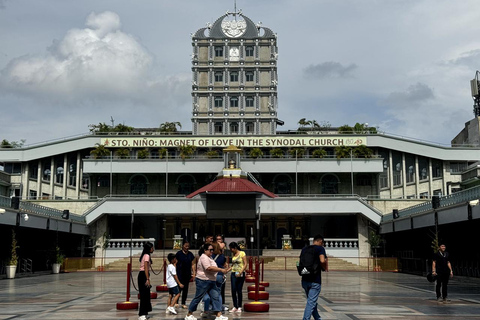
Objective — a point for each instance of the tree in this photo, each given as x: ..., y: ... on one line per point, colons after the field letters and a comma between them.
x: 122, y: 153
x: 168, y: 127
x: 363, y: 151
x: 186, y: 151
x: 12, y: 144
x: 319, y: 153
x: 211, y: 154
x: 102, y: 127
x: 276, y: 153
x: 122, y: 128
x: 255, y: 153
x: 162, y: 152
x: 296, y: 152
x: 342, y: 152
x: 345, y: 129
x: 100, y: 151
x: 143, y: 154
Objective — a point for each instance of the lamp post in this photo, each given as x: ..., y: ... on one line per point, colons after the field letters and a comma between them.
x: 351, y: 167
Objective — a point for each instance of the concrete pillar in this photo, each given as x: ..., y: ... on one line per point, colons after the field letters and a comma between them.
x: 65, y: 174
x: 101, y: 227
x: 390, y: 171
x: 25, y: 193
x: 52, y: 178
x: 78, y: 178
x: 363, y: 246
x: 404, y: 177
x: 39, y: 180
x: 430, y: 177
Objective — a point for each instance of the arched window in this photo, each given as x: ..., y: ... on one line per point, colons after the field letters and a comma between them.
x: 329, y: 184
x: 186, y: 184
x: 138, y: 184
x: 282, y: 184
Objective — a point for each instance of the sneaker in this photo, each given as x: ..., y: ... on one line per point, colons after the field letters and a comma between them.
x: 184, y: 306
x: 221, y: 318
x: 445, y: 300
x: 225, y: 308
x: 439, y: 299
x: 142, y: 318
x: 190, y: 317
x: 172, y: 310
x: 233, y: 310
x: 239, y: 310
x: 167, y: 311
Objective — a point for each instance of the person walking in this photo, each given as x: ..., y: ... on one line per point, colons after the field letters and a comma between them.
x: 312, y: 283
x: 221, y: 262
x: 143, y: 279
x: 185, y: 270
x: 442, y: 268
x: 173, y: 284
x: 239, y: 264
x: 205, y: 282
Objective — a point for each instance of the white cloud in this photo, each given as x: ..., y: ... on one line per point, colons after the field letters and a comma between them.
x: 99, y: 62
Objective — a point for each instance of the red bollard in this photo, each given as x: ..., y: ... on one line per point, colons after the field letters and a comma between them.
x: 127, y: 305
x: 264, y: 283
x: 163, y: 287
x: 256, y: 306
x: 250, y: 275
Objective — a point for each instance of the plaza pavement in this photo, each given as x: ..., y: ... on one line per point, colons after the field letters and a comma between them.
x: 345, y: 295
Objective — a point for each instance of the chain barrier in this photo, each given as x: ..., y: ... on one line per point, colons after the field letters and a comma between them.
x: 153, y: 271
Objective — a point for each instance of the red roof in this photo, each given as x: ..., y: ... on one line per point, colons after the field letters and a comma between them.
x: 233, y: 185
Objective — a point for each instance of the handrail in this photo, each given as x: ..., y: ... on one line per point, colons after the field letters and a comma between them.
x: 46, y: 211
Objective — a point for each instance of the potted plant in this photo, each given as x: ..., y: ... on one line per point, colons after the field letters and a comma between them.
x: 59, y: 258
x: 255, y: 153
x: 11, y: 267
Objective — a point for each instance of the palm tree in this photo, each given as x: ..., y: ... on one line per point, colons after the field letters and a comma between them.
x: 345, y: 129
x: 186, y: 151
x: 255, y: 153
x: 100, y: 151
x: 276, y: 153
x: 319, y: 153
x: 168, y: 127
x: 342, y: 152
x: 296, y: 152
x: 363, y: 151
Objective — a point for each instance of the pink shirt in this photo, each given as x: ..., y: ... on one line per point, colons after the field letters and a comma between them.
x: 202, y: 265
x: 145, y: 257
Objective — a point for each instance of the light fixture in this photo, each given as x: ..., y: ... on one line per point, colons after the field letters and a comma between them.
x: 473, y: 203
x: 25, y: 217
x: 2, y: 211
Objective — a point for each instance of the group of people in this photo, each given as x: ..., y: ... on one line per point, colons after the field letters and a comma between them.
x: 210, y: 271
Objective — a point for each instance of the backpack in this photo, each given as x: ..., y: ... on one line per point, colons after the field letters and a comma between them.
x: 309, y: 263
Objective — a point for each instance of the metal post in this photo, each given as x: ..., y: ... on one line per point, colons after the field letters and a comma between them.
x: 351, y: 167
x: 131, y: 237
x: 166, y: 175
x: 296, y: 173
x: 111, y: 174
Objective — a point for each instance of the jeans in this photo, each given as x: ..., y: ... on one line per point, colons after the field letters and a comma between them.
x: 207, y: 299
x: 442, y: 282
x: 237, y: 287
x: 206, y: 287
x: 312, y: 290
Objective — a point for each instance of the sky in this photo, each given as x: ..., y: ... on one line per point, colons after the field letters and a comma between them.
x: 403, y: 66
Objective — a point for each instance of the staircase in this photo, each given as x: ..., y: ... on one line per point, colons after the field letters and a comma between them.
x: 290, y: 263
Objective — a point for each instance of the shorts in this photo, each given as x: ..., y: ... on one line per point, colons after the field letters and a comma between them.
x: 173, y: 291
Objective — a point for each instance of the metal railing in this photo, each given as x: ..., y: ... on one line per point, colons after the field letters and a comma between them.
x: 26, y: 266
x: 30, y: 207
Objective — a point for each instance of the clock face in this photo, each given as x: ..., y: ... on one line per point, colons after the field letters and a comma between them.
x: 234, y: 54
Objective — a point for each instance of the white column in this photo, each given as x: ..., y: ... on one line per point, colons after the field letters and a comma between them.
x: 65, y: 174
x: 404, y: 177
x: 417, y: 178
x: 78, y: 178
x: 363, y: 246
x: 390, y: 172
x: 39, y: 179
x: 430, y: 177
x: 52, y: 178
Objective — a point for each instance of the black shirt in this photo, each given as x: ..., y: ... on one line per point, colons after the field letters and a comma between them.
x: 441, y: 262
x: 184, y: 262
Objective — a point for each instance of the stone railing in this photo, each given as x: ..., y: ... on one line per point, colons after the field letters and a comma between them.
x: 120, y: 248
x: 341, y: 243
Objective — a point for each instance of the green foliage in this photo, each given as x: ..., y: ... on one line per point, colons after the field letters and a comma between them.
x: 143, y: 154
x: 122, y: 153
x: 296, y: 152
x: 162, y: 152
x: 255, y: 153
x: 168, y: 127
x: 59, y: 257
x: 342, y: 152
x: 346, y: 129
x: 319, y: 153
x: 363, y: 151
x: 374, y: 240
x: 277, y: 153
x: 100, y: 151
x: 102, y: 127
x: 13, y: 253
x: 186, y: 152
x: 12, y: 144
x: 211, y: 154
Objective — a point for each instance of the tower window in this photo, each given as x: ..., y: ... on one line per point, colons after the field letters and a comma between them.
x: 218, y: 127
x: 249, y: 76
x: 234, y: 102
x: 234, y: 76
x: 249, y: 51
x: 218, y: 76
x: 218, y: 51
x: 218, y: 102
x: 249, y: 127
x: 249, y: 101
x: 234, y: 127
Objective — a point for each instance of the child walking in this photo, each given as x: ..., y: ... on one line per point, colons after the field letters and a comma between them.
x: 172, y: 283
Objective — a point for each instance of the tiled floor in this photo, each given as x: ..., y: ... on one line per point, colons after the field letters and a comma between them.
x: 345, y: 295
